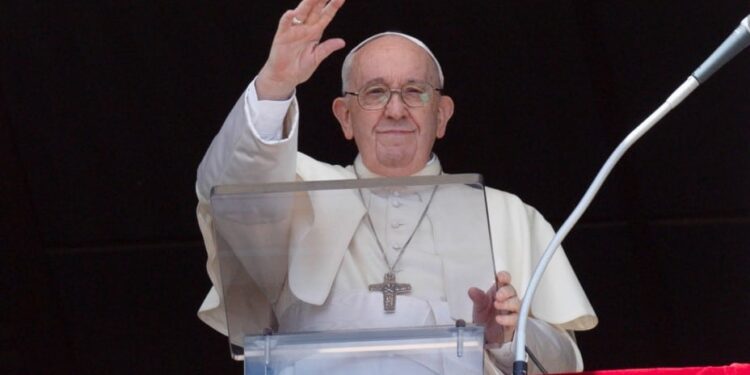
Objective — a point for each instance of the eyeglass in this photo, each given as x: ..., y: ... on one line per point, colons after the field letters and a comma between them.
x: 413, y: 94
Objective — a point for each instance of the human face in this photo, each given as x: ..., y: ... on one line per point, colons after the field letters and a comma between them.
x: 396, y: 140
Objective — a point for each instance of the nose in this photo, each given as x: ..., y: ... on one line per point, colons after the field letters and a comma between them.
x: 395, y: 108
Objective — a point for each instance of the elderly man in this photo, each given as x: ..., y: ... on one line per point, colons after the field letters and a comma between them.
x: 393, y: 109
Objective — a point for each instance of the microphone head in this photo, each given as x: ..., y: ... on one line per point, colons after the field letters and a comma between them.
x: 737, y: 41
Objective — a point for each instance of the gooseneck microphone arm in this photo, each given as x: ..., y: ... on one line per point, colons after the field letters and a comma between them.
x: 735, y: 43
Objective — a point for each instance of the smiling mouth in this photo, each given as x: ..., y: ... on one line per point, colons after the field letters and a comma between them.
x: 395, y: 131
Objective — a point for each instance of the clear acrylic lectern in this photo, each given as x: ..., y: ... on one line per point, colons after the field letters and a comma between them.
x: 366, y: 276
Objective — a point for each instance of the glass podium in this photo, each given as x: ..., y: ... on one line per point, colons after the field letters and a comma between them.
x: 366, y: 276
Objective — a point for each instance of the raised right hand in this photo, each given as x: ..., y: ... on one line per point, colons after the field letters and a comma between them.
x: 296, y: 51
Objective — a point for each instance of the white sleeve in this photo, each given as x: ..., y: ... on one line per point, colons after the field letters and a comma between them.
x: 256, y: 144
x: 555, y: 349
x: 267, y: 116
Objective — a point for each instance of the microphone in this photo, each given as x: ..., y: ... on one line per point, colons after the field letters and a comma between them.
x: 735, y: 43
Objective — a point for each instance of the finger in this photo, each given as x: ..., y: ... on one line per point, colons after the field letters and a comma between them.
x: 479, y: 297
x: 286, y: 21
x: 508, y: 320
x: 327, y: 14
x: 305, y: 7
x: 505, y: 292
x: 326, y: 48
x: 314, y: 15
x: 511, y: 305
x: 503, y: 278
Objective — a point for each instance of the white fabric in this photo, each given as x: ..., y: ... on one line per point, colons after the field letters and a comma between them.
x: 358, y: 310
x: 240, y: 153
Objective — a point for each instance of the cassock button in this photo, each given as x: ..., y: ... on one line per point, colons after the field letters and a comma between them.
x: 396, y: 247
x: 396, y: 225
x: 396, y: 203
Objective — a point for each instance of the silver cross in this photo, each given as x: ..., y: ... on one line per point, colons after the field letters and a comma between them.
x: 390, y: 289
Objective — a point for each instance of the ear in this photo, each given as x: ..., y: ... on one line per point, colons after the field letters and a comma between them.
x: 340, y: 109
x: 445, y: 112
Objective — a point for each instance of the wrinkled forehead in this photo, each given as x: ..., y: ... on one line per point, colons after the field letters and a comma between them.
x: 383, y: 38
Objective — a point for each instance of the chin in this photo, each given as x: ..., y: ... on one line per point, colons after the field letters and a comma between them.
x: 396, y: 161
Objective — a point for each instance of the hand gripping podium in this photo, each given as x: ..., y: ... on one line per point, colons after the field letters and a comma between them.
x: 366, y: 276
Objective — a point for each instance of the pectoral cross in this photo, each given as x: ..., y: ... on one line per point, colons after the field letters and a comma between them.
x: 390, y: 289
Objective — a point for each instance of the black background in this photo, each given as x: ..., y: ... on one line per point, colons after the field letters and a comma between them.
x: 107, y: 107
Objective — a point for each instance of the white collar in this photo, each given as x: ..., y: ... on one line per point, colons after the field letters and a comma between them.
x: 432, y: 168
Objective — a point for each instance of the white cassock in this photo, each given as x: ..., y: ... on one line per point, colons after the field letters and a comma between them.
x: 322, y: 289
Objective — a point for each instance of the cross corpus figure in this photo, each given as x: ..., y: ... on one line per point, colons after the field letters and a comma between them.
x: 390, y: 289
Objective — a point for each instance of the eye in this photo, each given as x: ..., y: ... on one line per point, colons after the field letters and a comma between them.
x: 375, y: 91
x: 415, y: 90
x: 416, y: 94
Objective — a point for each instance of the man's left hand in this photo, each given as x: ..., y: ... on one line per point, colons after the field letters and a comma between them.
x: 497, y: 309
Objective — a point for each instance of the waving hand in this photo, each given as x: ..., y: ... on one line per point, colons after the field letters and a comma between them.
x: 296, y: 51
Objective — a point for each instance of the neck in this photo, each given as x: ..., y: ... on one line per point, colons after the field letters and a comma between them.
x: 395, y: 171
x: 430, y: 168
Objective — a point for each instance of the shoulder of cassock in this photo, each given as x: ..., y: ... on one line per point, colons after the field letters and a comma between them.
x: 255, y: 308
x: 520, y: 235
